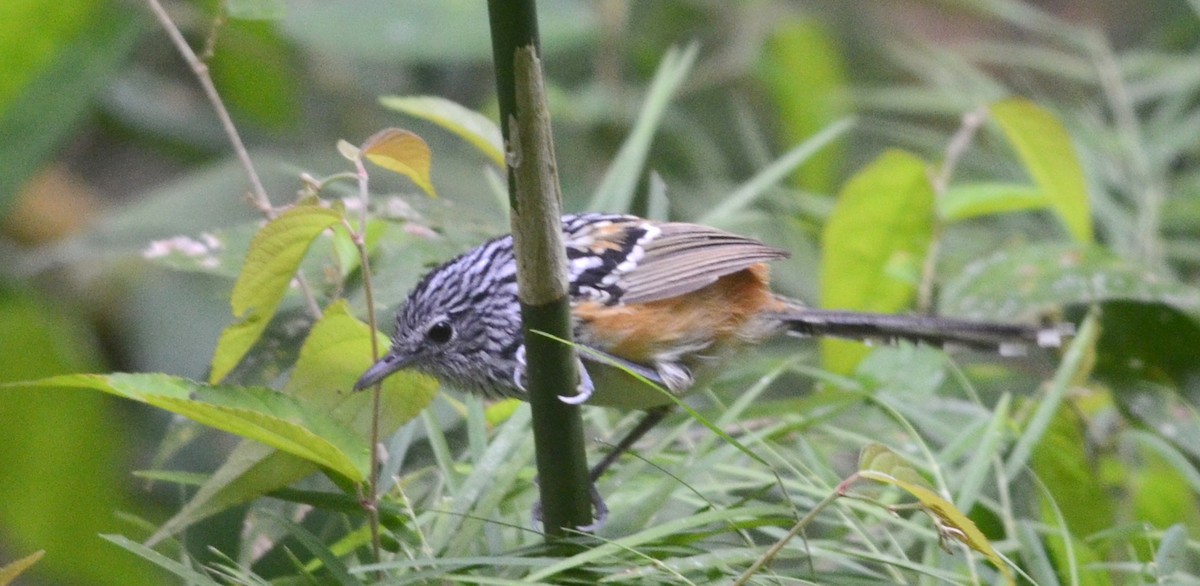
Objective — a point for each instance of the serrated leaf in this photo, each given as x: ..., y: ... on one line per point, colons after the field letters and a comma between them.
x: 471, y: 126
x: 885, y: 210
x: 256, y: 413
x: 271, y: 263
x: 403, y: 152
x: 1041, y: 277
x: 335, y: 353
x: 12, y: 570
x: 876, y: 459
x: 972, y: 200
x: 1047, y: 154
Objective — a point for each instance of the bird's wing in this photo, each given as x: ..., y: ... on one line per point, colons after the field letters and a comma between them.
x: 650, y: 261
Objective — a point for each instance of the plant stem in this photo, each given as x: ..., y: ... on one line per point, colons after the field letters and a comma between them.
x: 791, y: 534
x: 971, y: 121
x: 535, y: 200
x: 258, y: 193
x: 371, y: 499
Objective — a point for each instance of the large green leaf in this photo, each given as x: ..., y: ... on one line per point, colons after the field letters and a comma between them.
x: 259, y: 80
x: 58, y: 56
x: 256, y: 413
x: 1046, y: 151
x: 874, y: 244
x: 1038, y: 278
x: 806, y: 81
x: 271, y: 264
x: 64, y: 456
x: 336, y: 352
x: 1071, y: 476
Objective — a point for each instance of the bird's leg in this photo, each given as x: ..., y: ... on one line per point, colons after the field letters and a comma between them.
x: 584, y: 390
x: 599, y: 510
x: 653, y: 417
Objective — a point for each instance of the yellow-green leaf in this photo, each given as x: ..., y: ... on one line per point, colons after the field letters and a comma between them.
x: 11, y: 571
x: 1045, y: 149
x: 469, y: 125
x: 402, y: 152
x: 271, y: 263
x: 335, y: 353
x: 972, y: 200
x: 883, y: 221
x: 876, y: 460
x: 256, y: 413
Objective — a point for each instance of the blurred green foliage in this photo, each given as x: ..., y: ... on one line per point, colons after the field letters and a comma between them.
x: 681, y: 108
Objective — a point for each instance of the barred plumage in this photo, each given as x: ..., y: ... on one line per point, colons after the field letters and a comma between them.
x: 667, y: 299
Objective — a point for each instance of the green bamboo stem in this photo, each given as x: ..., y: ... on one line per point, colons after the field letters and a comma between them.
x: 536, y: 202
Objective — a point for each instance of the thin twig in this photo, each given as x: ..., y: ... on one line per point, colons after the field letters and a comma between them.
x: 200, y: 69
x: 371, y: 503
x: 940, y: 182
x: 258, y: 194
x: 791, y: 534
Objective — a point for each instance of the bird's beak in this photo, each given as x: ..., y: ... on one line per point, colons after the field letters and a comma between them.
x: 382, y: 369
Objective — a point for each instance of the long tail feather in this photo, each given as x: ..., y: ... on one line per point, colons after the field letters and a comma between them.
x: 1005, y: 338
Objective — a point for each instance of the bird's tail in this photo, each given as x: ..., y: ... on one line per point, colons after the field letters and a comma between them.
x: 1007, y: 339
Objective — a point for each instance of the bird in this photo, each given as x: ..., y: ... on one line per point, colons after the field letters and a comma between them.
x: 668, y: 302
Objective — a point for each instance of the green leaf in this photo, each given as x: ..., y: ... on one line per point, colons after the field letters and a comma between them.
x: 335, y: 353
x: 259, y: 78
x: 616, y: 190
x: 805, y: 77
x: 1071, y: 476
x: 13, y: 570
x: 250, y: 471
x: 1163, y: 485
x: 61, y: 451
x: 255, y: 413
x: 58, y: 57
x: 880, y: 464
x: 184, y: 571
x: 1042, y: 277
x: 884, y: 215
x: 1046, y: 151
x: 274, y: 256
x: 338, y: 572
x: 438, y: 32
x: 471, y: 126
x: 1076, y: 360
x: 972, y: 200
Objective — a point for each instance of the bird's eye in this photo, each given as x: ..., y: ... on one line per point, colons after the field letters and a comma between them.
x: 440, y: 332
